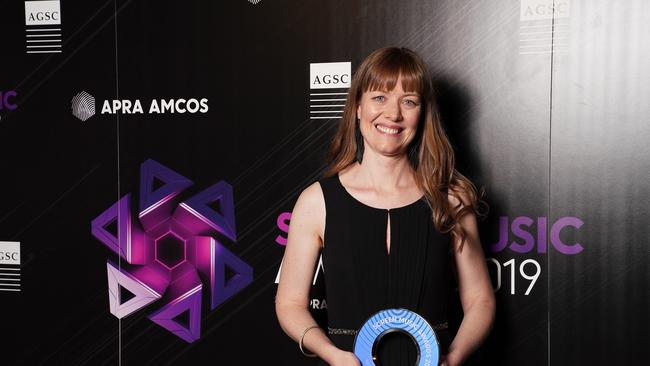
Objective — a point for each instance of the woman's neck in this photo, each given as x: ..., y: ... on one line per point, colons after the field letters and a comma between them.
x: 384, y: 173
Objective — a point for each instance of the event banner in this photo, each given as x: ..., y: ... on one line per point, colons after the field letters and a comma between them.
x: 153, y: 151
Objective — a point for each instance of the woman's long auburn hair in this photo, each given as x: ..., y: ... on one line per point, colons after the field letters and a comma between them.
x: 430, y: 154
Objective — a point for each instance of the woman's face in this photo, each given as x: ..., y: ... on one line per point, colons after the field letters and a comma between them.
x: 389, y: 119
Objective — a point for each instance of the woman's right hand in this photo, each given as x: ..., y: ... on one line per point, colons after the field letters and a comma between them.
x: 345, y: 358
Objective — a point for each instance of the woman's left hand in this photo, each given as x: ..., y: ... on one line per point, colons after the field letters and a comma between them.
x: 448, y: 360
x: 443, y: 361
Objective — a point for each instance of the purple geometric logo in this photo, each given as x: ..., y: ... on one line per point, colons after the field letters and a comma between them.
x: 171, y: 250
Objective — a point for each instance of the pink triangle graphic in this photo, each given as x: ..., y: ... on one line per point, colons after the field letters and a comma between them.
x: 157, y: 204
x: 129, y: 242
x: 143, y: 294
x: 189, y: 301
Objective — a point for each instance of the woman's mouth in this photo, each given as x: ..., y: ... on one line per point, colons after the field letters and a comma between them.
x: 388, y: 130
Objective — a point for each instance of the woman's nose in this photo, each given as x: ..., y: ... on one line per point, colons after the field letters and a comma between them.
x: 393, y: 111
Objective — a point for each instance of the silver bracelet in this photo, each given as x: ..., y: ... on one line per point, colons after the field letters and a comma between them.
x: 302, y: 337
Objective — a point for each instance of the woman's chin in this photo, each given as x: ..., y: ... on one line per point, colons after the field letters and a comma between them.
x: 390, y: 151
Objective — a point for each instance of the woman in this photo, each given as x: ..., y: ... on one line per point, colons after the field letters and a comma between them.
x: 392, y: 217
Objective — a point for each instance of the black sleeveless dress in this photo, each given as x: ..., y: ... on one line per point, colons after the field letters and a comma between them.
x: 362, y: 278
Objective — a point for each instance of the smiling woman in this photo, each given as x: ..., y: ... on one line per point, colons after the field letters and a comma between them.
x: 390, y: 119
x: 392, y: 216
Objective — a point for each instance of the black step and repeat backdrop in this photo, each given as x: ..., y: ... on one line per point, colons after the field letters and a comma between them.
x: 152, y: 152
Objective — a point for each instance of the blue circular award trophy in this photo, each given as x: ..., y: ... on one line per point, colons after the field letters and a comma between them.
x: 396, y: 320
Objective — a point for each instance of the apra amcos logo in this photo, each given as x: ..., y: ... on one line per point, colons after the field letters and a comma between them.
x: 83, y: 106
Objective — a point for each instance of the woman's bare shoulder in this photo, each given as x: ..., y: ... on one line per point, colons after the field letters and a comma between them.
x: 310, y: 209
x: 312, y: 197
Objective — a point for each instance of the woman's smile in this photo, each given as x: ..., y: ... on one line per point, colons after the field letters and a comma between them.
x: 386, y: 130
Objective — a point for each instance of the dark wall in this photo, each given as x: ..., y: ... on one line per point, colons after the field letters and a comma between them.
x: 547, y: 111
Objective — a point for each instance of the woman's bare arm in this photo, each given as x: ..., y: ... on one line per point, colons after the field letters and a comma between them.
x: 301, y: 253
x: 476, y: 294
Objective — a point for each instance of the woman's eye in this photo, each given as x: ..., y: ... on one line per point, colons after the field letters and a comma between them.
x: 379, y: 98
x: 411, y: 103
